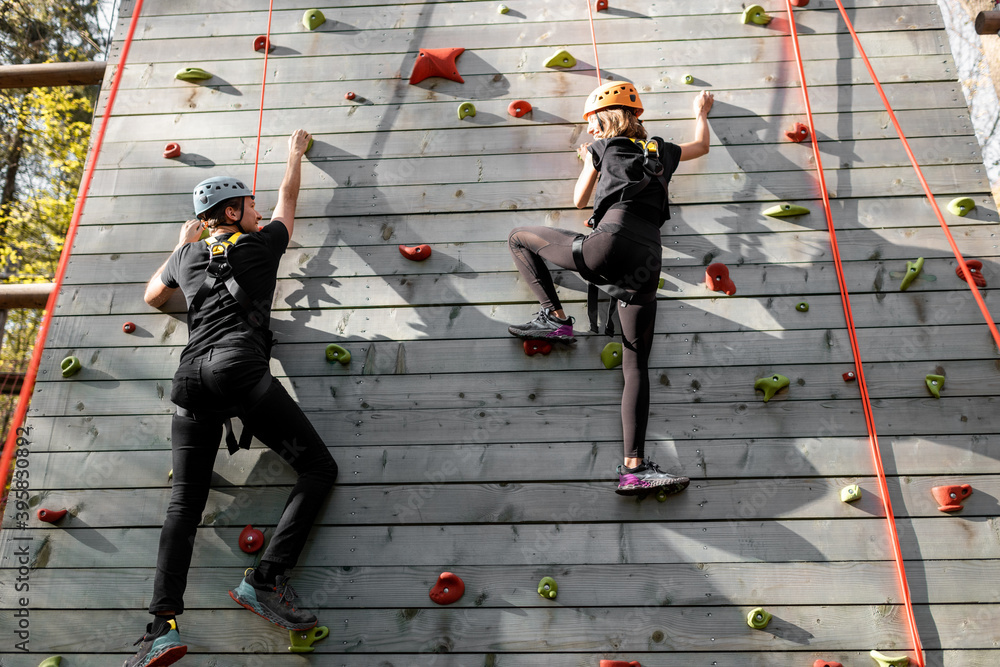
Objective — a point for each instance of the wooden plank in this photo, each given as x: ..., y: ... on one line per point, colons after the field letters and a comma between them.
x: 40, y: 75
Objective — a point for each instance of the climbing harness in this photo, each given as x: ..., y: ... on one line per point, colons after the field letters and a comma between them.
x: 855, y: 350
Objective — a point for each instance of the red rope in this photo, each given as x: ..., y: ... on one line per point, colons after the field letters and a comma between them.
x: 263, y: 84
x: 593, y: 37
x: 81, y: 199
x: 923, y: 182
x: 855, y: 350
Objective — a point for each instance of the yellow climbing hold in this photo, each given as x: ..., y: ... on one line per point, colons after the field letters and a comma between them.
x: 961, y: 206
x: 466, y: 109
x: 849, y: 494
x: 758, y: 618
x: 771, y: 385
x: 192, y: 74
x: 913, y: 270
x: 611, y: 355
x: 561, y: 59
x: 886, y: 661
x: 313, y: 18
x: 786, y: 210
x: 756, y: 14
x: 302, y: 640
x: 335, y: 352
x: 935, y: 383
x: 54, y: 661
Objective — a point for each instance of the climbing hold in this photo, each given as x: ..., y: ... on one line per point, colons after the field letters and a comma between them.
x: 533, y: 347
x: 548, y: 588
x: 950, y: 497
x: 449, y: 588
x: 349, y: 95
x: 611, y: 355
x: 688, y: 79
x: 756, y: 14
x: 251, y: 540
x: 818, y: 663
x: 802, y: 307
x: 798, y: 133
x: 518, y: 108
x: 758, y: 618
x: 436, y: 62
x: 260, y: 42
x: 417, y: 253
x: 303, y: 640
x: 171, y: 150
x: 849, y: 494
x: 619, y: 663
x: 717, y: 279
x: 335, y: 352
x: 561, y: 59
x: 70, y: 366
x: 50, y: 516
x: 54, y: 661
x: 976, y: 269
x: 849, y: 376
x: 661, y: 495
x: 192, y: 74
x: 170, y: 475
x: 466, y: 109
x: 886, y: 661
x: 309, y: 145
x: 771, y: 385
x: 128, y: 327
x: 913, y: 270
x: 803, y: 3
x: 962, y: 206
x: 602, y: 5
x: 313, y: 18
x: 935, y: 383
x: 663, y: 281
x: 503, y: 9
x: 786, y: 210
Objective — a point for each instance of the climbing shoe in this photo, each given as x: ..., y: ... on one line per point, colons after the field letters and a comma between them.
x: 274, y: 603
x: 647, y: 477
x: 159, y: 650
x: 545, y: 326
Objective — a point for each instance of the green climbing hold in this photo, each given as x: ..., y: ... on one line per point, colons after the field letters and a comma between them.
x: 913, y: 270
x: 70, y: 366
x: 935, y: 383
x: 548, y: 588
x: 54, y: 661
x: 192, y: 74
x: 886, y: 661
x: 309, y: 145
x: 170, y: 475
x: 802, y: 307
x: 303, y: 640
x: 466, y: 109
x: 611, y: 355
x: 561, y: 59
x: 335, y: 352
x: 688, y: 79
x: 786, y: 210
x: 663, y: 281
x: 313, y: 18
x: 661, y: 495
x: 961, y: 206
x: 849, y: 494
x: 503, y: 9
x: 756, y: 14
x: 758, y: 618
x: 771, y: 385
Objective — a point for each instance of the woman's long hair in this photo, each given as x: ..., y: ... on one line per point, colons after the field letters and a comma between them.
x: 620, y: 122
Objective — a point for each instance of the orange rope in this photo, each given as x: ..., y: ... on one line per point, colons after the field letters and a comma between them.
x: 593, y: 37
x: 855, y: 350
x: 923, y: 182
x: 263, y: 85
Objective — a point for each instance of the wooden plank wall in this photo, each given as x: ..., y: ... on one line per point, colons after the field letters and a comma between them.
x: 457, y: 451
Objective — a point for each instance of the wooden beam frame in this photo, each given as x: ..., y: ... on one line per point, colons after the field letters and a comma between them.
x: 52, y: 74
x: 988, y: 23
x: 28, y: 295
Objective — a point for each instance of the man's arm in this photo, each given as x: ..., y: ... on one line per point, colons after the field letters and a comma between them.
x: 699, y: 147
x: 288, y: 192
x: 157, y: 293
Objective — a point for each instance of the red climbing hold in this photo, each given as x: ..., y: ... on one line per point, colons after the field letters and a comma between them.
x: 50, y: 516
x: 436, y: 62
x: 349, y: 96
x: 717, y: 279
x: 849, y: 376
x: 260, y: 41
x: 819, y: 663
x: 533, y: 347
x: 417, y: 253
x: 619, y: 663
x: 976, y: 267
x: 950, y: 497
x: 251, y: 540
x: 518, y: 108
x: 128, y: 327
x: 173, y: 149
x: 602, y: 5
x: 803, y: 3
x: 448, y: 589
x: 798, y: 133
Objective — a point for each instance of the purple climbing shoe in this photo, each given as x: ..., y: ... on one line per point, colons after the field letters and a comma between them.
x: 646, y: 478
x: 545, y: 326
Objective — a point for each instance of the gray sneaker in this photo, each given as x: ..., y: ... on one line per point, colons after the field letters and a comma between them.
x: 647, y: 478
x: 273, y: 603
x: 545, y: 326
x: 158, y: 650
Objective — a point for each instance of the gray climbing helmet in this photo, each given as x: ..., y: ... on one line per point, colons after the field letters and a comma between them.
x: 213, y: 190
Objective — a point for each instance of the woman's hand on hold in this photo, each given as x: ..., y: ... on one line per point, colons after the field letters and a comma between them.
x: 191, y: 231
x: 582, y: 150
x: 298, y: 142
x: 703, y: 103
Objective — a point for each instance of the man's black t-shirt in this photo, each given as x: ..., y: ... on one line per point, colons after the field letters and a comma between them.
x: 619, y: 161
x: 222, y: 321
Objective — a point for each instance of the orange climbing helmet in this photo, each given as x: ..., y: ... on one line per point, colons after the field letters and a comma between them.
x: 614, y: 94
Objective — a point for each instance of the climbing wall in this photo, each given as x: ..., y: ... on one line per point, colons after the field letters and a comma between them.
x: 460, y: 453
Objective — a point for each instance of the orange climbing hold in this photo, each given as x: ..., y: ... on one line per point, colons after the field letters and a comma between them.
x: 619, y: 663
x: 261, y: 41
x: 950, y: 497
x: 717, y: 279
x: 798, y: 133
x: 518, y: 108
x: 251, y: 540
x: 820, y: 663
x: 436, y: 62
x: 976, y: 268
x: 171, y: 150
x: 349, y: 96
x: 50, y: 516
x: 533, y: 347
x: 449, y: 588
x: 417, y: 253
